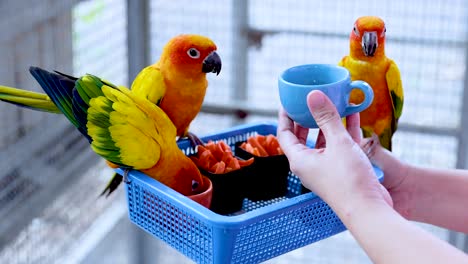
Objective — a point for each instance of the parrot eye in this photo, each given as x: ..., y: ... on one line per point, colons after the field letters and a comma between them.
x: 193, y: 53
x: 356, y: 31
x: 383, y: 32
x: 195, y: 185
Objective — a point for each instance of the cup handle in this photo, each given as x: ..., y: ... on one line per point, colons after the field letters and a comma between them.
x: 368, y: 97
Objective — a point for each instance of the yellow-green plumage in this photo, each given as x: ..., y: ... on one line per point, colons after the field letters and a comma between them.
x: 176, y: 83
x: 36, y: 101
x: 125, y: 129
x: 130, y: 128
x: 140, y: 136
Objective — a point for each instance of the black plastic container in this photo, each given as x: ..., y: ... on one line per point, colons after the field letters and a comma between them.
x: 229, y: 190
x: 269, y: 175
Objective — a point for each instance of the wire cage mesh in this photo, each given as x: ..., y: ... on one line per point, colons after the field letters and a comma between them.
x: 50, y: 179
x: 257, y: 40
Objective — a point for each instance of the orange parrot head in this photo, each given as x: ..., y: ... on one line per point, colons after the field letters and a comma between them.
x: 367, y: 39
x: 191, y: 54
x: 188, y: 179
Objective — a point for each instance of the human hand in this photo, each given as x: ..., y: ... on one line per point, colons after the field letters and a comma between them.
x: 337, y: 170
x: 395, y: 181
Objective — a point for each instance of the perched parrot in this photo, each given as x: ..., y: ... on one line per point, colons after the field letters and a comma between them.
x: 176, y: 83
x: 125, y: 129
x: 367, y: 61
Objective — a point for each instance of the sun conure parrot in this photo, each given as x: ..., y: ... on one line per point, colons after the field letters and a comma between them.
x: 176, y: 83
x: 367, y: 61
x: 125, y: 129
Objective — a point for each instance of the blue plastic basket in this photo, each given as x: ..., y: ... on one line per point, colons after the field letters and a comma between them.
x: 262, y: 230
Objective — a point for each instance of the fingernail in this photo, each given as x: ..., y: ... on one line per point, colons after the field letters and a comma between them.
x: 317, y: 99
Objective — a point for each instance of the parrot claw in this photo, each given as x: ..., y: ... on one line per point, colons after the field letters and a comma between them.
x: 194, y: 139
x: 369, y: 145
x: 125, y: 176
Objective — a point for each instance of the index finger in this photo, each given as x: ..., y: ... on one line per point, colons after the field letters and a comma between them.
x: 285, y: 133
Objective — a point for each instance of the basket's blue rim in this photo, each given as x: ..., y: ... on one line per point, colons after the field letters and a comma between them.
x: 224, y: 221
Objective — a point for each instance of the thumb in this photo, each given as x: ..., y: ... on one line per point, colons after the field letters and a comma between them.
x: 325, y: 114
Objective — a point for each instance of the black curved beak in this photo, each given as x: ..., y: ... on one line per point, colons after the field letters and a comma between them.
x: 212, y: 63
x: 369, y: 43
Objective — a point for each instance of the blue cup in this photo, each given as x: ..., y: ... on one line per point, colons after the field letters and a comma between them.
x: 297, y: 82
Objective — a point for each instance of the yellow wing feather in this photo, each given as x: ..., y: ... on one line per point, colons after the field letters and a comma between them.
x: 149, y: 84
x: 342, y: 62
x: 395, y: 88
x: 137, y: 132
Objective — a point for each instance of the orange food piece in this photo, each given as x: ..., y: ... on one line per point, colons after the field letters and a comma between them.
x: 260, y: 139
x: 225, y: 146
x: 256, y: 144
x: 218, y: 168
x: 262, y: 146
x: 244, y: 163
x: 233, y: 164
x: 218, y: 158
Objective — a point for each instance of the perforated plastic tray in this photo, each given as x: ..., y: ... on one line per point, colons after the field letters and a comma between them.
x: 260, y: 231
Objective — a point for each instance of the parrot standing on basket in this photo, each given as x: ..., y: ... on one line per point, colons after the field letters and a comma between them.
x: 176, y: 83
x: 367, y: 62
x: 125, y: 129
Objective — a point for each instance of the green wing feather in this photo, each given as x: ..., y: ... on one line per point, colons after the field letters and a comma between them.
x: 28, y: 99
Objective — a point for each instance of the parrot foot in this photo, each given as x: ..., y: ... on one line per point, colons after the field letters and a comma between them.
x: 369, y: 145
x: 194, y: 140
x: 125, y: 176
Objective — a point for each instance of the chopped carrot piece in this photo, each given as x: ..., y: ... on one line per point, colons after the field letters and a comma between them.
x: 243, y: 145
x: 207, y: 159
x: 233, y: 164
x: 254, y: 142
x: 225, y: 146
x: 249, y: 148
x: 280, y: 151
x: 226, y: 157
x: 218, y: 168
x: 218, y: 158
x: 217, y: 151
x: 256, y: 152
x: 244, y: 163
x: 261, y: 139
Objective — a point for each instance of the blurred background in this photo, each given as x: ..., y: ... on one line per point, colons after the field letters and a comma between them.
x: 50, y: 180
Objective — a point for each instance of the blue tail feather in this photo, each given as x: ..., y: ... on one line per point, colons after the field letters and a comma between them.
x: 60, y: 95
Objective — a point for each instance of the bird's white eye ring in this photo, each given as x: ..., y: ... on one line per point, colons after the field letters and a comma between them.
x: 356, y: 31
x: 193, y: 53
